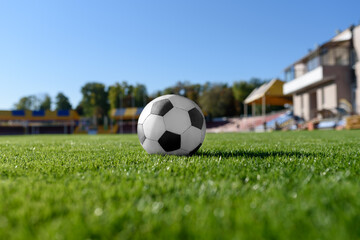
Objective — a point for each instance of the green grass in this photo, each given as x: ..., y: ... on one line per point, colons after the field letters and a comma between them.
x: 282, y: 185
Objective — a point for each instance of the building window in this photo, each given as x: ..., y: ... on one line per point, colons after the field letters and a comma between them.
x: 313, y: 63
x: 322, y: 97
x: 342, y: 56
x: 353, y: 58
x: 289, y: 74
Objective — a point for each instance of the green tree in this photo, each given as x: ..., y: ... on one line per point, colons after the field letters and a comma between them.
x: 79, y: 109
x: 31, y: 102
x: 193, y: 92
x: 242, y: 89
x: 94, y: 100
x: 186, y: 89
x: 257, y: 82
x: 46, y: 103
x: 169, y: 90
x: 116, y: 94
x: 128, y: 100
x: 62, y: 102
x: 127, y: 95
x: 217, y: 100
x: 140, y: 95
x: 23, y: 104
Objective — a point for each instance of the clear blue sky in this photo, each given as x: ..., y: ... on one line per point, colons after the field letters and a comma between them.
x: 51, y: 46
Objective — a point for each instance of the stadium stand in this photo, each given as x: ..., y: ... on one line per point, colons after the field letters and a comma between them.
x: 38, y: 122
x: 16, y: 122
x: 126, y: 119
x: 285, y: 120
x: 270, y: 93
x: 126, y: 113
x: 242, y: 124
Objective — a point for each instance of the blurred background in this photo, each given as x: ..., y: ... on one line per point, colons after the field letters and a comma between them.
x: 91, y: 66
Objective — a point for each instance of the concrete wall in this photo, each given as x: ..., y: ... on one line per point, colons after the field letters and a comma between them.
x: 301, y: 104
x: 306, y: 102
x: 327, y: 96
x: 297, y: 105
x: 330, y: 100
x: 337, y: 56
x: 319, y: 95
x: 330, y: 96
x: 342, y: 77
x: 299, y: 69
x: 356, y: 42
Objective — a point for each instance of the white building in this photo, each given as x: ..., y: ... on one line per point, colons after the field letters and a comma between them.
x: 327, y: 76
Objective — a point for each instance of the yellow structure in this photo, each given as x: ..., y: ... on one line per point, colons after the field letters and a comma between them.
x: 270, y: 93
x: 353, y: 122
x: 126, y: 113
x: 36, y: 122
x: 41, y: 115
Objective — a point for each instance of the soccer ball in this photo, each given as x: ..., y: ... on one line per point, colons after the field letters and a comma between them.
x: 171, y: 124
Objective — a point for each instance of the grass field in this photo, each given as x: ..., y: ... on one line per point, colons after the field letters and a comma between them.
x: 282, y: 185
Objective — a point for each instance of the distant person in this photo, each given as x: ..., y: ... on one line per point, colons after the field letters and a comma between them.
x: 277, y: 126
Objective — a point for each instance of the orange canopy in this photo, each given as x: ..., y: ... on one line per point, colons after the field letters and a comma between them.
x: 273, y: 93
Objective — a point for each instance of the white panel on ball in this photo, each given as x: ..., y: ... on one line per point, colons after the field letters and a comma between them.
x: 154, y: 127
x: 162, y: 97
x: 152, y: 147
x: 190, y: 139
x: 177, y: 120
x: 181, y: 102
x: 145, y: 113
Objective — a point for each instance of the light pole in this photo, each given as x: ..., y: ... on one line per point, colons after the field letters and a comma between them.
x: 120, y: 107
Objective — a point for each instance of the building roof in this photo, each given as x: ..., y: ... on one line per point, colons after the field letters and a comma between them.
x: 40, y: 115
x: 126, y: 113
x: 339, y: 39
x: 273, y: 93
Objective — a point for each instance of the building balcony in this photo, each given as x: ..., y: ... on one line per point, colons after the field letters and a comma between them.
x: 304, y: 81
x: 317, y: 76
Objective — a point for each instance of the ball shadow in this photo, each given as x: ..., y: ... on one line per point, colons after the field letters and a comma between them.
x: 255, y: 153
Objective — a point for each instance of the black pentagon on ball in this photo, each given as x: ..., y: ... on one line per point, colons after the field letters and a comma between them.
x: 141, y: 134
x: 197, y: 120
x: 170, y: 141
x: 161, y: 107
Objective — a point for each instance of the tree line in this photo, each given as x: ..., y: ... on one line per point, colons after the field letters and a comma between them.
x: 34, y: 102
x: 216, y: 99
